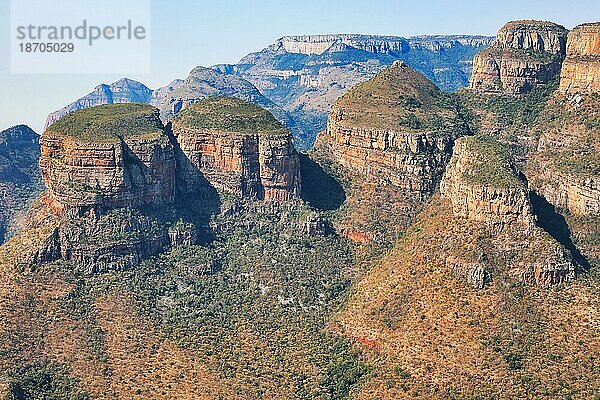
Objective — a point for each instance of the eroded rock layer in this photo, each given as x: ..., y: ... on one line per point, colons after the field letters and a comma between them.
x: 237, y: 147
x: 107, y: 157
x: 397, y: 128
x: 581, y: 69
x: 482, y: 184
x: 525, y: 54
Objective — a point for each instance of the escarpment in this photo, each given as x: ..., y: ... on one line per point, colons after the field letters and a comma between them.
x: 566, y: 168
x: 397, y: 128
x: 525, y: 54
x: 107, y: 157
x: 239, y: 148
x: 580, y: 71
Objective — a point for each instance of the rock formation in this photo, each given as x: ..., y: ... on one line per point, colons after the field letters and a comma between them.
x: 580, y: 71
x: 398, y: 128
x: 525, y: 54
x: 566, y: 168
x: 482, y: 184
x: 107, y: 157
x: 237, y: 147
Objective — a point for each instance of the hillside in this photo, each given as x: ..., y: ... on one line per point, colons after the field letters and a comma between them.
x: 431, y: 245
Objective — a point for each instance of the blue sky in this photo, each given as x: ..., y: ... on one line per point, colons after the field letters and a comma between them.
x: 190, y: 33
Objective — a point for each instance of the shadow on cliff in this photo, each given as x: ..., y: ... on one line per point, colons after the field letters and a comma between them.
x: 556, y: 225
x: 320, y: 189
x: 196, y: 200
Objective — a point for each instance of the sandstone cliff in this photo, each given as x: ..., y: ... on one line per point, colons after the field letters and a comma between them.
x: 237, y: 147
x: 388, y: 140
x: 483, y: 185
x: 525, y: 54
x: 580, y: 71
x: 566, y: 168
x: 398, y: 128
x: 107, y: 157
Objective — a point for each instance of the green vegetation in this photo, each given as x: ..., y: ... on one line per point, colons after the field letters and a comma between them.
x: 230, y: 115
x: 491, y: 163
x: 111, y: 123
x: 506, y: 117
x: 44, y: 382
x: 562, y: 117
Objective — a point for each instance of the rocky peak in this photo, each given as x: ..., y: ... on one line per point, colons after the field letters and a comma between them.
x: 107, y: 157
x: 483, y: 186
x: 237, y: 147
x: 581, y: 69
x: 122, y: 91
x: 525, y: 54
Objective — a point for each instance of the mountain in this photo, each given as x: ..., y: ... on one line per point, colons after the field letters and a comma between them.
x: 19, y: 176
x: 122, y: 91
x: 431, y: 245
x: 170, y: 99
x: 525, y: 54
x: 306, y: 74
x: 392, y: 135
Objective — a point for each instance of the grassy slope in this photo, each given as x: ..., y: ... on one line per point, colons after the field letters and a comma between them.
x: 400, y: 99
x: 430, y: 335
x: 252, y: 330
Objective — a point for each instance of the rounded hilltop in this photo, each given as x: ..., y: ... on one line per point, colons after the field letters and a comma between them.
x: 111, y: 123
x: 397, y: 99
x: 228, y: 114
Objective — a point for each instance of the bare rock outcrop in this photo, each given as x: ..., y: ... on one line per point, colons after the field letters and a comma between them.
x: 236, y: 147
x: 107, y: 157
x: 580, y: 71
x: 525, y: 54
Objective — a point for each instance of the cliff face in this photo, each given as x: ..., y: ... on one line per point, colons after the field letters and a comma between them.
x: 394, y: 129
x: 239, y: 148
x: 483, y: 186
x: 566, y: 168
x: 493, y: 195
x: 580, y: 72
x: 107, y: 157
x: 525, y: 54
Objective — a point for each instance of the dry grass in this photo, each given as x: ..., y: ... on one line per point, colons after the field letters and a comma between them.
x: 452, y: 341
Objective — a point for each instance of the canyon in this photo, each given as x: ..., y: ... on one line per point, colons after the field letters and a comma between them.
x: 430, y: 245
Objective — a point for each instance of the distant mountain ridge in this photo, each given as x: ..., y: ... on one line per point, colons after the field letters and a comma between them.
x: 20, y: 180
x: 297, y: 78
x: 306, y: 74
